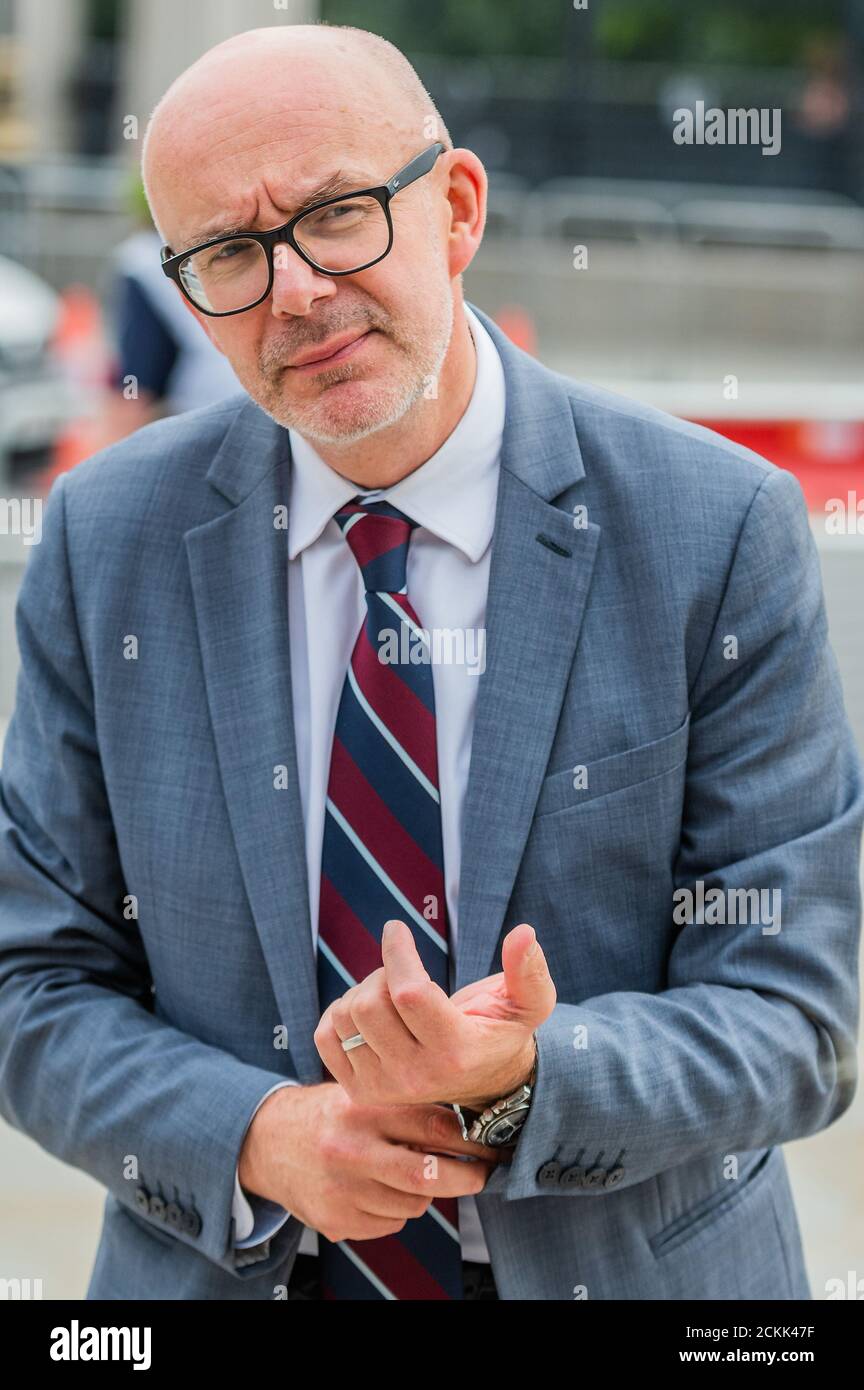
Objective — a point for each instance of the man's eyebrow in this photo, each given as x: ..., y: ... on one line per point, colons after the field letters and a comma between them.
x: 341, y: 181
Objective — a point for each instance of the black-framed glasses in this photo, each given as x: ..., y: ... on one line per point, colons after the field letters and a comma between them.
x: 338, y: 236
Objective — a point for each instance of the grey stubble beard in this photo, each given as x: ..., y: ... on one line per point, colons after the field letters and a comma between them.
x: 428, y: 357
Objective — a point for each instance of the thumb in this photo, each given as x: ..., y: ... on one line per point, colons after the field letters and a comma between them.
x: 526, y: 975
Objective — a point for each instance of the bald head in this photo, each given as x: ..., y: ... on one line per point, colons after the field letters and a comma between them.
x: 287, y: 94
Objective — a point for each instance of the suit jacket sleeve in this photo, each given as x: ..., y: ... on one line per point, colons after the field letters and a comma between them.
x: 86, y: 1067
x: 753, y: 1041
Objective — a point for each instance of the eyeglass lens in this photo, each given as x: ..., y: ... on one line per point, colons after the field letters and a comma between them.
x: 343, y: 236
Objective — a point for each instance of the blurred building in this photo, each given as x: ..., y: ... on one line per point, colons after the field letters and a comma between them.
x: 72, y: 70
x: 542, y: 90
x: 588, y: 90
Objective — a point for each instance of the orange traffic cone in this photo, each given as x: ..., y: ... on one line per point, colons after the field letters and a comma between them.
x: 80, y: 347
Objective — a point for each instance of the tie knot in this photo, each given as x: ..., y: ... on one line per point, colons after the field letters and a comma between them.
x: 378, y: 535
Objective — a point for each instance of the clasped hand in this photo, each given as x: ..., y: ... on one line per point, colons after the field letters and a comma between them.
x: 422, y: 1045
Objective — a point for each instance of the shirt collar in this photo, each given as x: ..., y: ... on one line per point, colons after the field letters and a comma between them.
x: 452, y: 494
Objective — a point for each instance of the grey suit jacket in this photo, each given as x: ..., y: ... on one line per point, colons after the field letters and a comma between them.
x: 154, y: 920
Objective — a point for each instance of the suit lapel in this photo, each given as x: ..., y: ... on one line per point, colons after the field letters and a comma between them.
x: 534, y: 613
x: 238, y: 565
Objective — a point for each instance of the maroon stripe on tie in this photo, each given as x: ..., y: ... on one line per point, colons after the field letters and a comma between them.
x: 385, y: 837
x: 345, y: 934
x: 396, y: 1267
x: 374, y: 537
x: 449, y: 1209
x: 396, y: 705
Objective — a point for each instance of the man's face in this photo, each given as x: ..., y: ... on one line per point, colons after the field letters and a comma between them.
x: 390, y: 324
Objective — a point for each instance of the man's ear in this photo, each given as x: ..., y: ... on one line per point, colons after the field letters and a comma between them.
x: 467, y: 194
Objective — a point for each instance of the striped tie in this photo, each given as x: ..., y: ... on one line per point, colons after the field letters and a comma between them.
x: 382, y: 857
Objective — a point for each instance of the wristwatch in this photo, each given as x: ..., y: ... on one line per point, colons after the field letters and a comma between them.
x: 499, y: 1124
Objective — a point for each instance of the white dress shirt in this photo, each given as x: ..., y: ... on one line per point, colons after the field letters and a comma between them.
x: 452, y: 498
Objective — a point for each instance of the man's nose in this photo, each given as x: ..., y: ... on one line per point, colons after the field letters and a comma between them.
x: 296, y: 285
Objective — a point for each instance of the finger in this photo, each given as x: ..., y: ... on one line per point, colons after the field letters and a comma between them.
x: 433, y: 1129
x: 330, y: 1050
x: 378, y: 1199
x: 374, y: 1014
x: 529, y: 985
x: 410, y: 1170
x: 364, y: 1224
x: 344, y: 1023
x: 422, y: 1005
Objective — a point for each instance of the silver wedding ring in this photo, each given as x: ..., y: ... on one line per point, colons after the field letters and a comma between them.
x: 357, y: 1041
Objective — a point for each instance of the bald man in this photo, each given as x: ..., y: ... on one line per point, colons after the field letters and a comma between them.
x: 377, y: 732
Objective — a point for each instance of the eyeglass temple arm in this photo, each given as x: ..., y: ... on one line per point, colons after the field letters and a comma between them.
x: 415, y: 168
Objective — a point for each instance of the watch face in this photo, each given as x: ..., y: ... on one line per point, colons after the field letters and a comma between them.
x: 505, y: 1128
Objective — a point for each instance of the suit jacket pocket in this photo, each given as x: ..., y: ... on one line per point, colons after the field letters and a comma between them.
x: 719, y: 1204
x: 613, y: 773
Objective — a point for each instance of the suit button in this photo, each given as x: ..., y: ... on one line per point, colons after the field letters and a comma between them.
x: 157, y: 1208
x: 173, y: 1216
x: 613, y: 1177
x: 142, y: 1200
x: 574, y: 1176
x: 190, y: 1221
x: 547, y: 1176
x: 595, y: 1177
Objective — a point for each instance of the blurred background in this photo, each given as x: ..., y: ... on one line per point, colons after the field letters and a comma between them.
x: 718, y: 282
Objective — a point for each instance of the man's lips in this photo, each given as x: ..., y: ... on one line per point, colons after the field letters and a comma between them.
x: 334, y: 351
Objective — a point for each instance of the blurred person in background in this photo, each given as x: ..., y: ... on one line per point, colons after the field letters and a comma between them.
x: 824, y: 113
x: 164, y: 361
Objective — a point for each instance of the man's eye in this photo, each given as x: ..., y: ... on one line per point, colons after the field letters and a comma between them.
x: 345, y: 213
x: 228, y: 251
x: 218, y: 257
